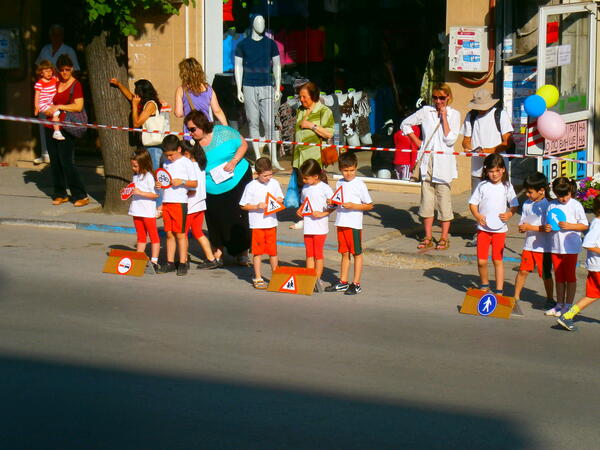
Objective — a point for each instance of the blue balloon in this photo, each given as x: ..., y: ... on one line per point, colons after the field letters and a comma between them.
x: 535, y: 105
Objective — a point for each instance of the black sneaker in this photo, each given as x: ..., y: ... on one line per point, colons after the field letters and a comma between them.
x: 353, y: 289
x: 339, y: 287
x: 209, y: 264
x: 155, y: 266
x: 167, y: 267
x: 182, y: 269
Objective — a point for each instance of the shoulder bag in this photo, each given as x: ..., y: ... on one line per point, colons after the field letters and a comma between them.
x: 416, y: 175
x: 329, y: 155
x: 155, y: 122
x: 75, y: 116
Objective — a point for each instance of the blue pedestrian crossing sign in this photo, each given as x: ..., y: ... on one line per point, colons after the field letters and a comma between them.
x: 555, y: 215
x: 487, y: 304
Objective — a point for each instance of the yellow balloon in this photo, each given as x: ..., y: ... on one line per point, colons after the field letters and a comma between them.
x: 550, y: 94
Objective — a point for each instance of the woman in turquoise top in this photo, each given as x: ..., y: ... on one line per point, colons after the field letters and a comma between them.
x: 227, y: 223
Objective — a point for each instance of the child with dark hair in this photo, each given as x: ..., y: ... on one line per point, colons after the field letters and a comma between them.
x: 263, y: 225
x: 143, y: 204
x: 316, y: 192
x: 536, y: 250
x: 592, y: 263
x: 569, y: 221
x: 355, y: 200
x: 488, y: 205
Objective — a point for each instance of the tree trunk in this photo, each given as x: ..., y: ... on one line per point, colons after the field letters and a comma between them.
x: 104, y: 62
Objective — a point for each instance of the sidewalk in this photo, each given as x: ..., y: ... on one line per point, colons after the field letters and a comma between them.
x: 390, y: 229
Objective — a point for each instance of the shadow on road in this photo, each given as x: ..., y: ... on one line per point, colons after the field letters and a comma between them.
x: 52, y: 405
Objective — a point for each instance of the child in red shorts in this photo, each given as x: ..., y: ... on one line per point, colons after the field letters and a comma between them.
x: 488, y: 205
x: 592, y: 262
x: 536, y: 250
x: 566, y: 241
x: 175, y: 204
x: 316, y: 225
x: 349, y: 223
x: 263, y: 226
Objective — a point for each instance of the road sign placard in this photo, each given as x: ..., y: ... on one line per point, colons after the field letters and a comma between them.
x: 273, y: 205
x: 483, y: 303
x: 125, y: 262
x: 555, y: 215
x: 306, y: 208
x: 127, y: 191
x: 164, y: 178
x: 293, y: 280
x: 338, y: 196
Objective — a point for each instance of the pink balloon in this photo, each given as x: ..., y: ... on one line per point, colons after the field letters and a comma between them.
x: 551, y: 126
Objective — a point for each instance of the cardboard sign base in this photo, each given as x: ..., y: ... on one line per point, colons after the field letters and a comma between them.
x: 505, y: 306
x: 293, y: 280
x: 126, y: 262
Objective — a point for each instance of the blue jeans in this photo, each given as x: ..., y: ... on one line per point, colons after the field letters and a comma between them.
x: 156, y: 155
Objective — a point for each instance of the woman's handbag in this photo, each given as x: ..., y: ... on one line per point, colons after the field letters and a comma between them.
x: 155, y: 122
x: 329, y: 155
x: 75, y: 116
x: 416, y: 175
x: 292, y: 195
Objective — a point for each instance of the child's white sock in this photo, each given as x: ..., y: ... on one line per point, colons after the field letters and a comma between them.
x: 154, y: 260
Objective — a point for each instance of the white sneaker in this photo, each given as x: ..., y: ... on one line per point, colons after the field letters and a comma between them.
x: 58, y: 136
x: 554, y: 312
x: 297, y: 225
x: 42, y: 159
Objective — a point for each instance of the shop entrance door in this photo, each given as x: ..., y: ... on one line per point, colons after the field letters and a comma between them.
x: 567, y: 59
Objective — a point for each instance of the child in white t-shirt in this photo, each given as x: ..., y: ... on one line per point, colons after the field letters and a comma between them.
x: 315, y: 194
x: 592, y: 263
x: 568, y: 214
x: 263, y: 226
x: 488, y: 205
x: 536, y: 250
x: 175, y: 203
x: 143, y: 204
x: 197, y: 203
x: 349, y: 222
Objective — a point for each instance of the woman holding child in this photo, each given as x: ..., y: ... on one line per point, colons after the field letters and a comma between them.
x: 227, y: 174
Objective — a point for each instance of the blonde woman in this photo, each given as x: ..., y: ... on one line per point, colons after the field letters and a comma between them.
x: 195, y: 94
x: 440, y: 126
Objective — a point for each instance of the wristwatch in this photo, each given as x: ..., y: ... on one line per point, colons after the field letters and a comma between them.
x: 314, y: 127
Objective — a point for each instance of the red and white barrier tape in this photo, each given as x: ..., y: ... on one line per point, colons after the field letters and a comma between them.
x: 272, y: 141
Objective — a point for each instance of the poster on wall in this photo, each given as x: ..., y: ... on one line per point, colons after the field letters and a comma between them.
x: 519, y: 83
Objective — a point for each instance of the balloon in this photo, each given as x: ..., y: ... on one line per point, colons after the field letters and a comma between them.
x: 550, y: 94
x: 551, y: 126
x: 535, y: 105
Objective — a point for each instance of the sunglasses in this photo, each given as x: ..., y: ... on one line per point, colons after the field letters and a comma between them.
x: 192, y: 129
x: 435, y: 97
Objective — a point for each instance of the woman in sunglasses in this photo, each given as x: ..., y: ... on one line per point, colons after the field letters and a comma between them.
x: 440, y: 125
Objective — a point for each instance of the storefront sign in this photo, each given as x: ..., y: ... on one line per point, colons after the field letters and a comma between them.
x: 575, y: 139
x: 554, y: 168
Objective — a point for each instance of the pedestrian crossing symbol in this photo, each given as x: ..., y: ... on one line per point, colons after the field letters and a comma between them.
x: 290, y: 286
x: 306, y: 208
x: 487, y: 304
x: 273, y: 205
x: 338, y: 196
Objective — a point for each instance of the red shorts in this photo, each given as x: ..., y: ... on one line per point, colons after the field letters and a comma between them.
x: 194, y: 222
x: 146, y: 225
x: 564, y: 267
x: 314, y: 243
x: 264, y: 241
x: 174, y: 217
x: 543, y: 261
x: 592, y: 285
x: 349, y: 240
x: 485, y: 239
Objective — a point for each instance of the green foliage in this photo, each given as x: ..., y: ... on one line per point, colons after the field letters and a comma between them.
x: 121, y: 14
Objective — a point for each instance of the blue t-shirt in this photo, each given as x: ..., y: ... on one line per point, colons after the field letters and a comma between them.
x: 222, y: 147
x: 258, y: 58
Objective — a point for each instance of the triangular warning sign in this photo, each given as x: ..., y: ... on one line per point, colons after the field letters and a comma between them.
x: 290, y: 286
x: 338, y: 196
x: 306, y: 208
x: 273, y: 205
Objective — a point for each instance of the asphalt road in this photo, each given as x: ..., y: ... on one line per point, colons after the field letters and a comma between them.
x: 91, y: 360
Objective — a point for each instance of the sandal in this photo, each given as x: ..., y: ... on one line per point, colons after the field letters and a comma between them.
x: 443, y: 244
x: 259, y: 283
x: 426, y: 242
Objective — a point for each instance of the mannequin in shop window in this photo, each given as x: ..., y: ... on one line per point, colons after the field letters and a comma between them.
x: 256, y: 57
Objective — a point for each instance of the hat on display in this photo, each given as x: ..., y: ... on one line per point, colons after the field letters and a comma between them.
x: 482, y: 100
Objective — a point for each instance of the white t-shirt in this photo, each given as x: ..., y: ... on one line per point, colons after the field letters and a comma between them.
x: 197, y: 202
x: 534, y: 213
x: 567, y: 242
x: 317, y: 195
x: 592, y: 240
x: 492, y: 200
x: 182, y: 169
x: 485, y: 134
x: 142, y: 206
x: 354, y: 191
x: 255, y: 193
x: 46, y: 53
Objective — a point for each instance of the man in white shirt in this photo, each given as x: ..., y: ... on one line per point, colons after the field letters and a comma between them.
x: 486, y: 128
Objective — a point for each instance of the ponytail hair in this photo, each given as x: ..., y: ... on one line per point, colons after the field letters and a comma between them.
x: 564, y: 186
x: 311, y: 168
x: 197, y: 152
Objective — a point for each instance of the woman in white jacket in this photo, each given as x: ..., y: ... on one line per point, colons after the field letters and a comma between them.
x: 440, y: 125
